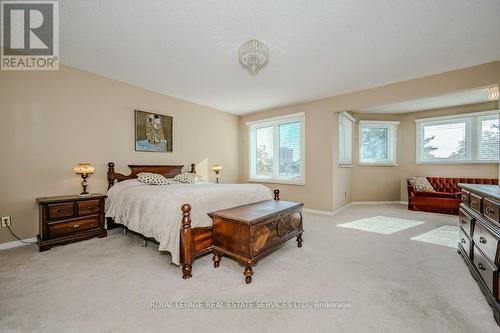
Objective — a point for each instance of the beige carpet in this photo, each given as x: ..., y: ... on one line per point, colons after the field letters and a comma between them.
x: 389, y: 283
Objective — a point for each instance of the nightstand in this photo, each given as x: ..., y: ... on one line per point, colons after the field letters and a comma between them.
x: 71, y: 218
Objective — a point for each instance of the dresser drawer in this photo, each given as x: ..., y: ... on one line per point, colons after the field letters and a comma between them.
x: 88, y: 207
x: 486, y: 241
x: 475, y: 202
x: 465, y: 242
x: 57, y: 229
x: 491, y: 210
x: 486, y: 269
x: 61, y: 210
x: 465, y: 222
x: 464, y: 197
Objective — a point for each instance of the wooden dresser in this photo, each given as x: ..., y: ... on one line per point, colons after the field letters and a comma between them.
x: 479, y: 219
x: 250, y: 232
x: 68, y: 219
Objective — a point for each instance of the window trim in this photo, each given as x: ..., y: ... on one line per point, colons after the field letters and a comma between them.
x: 392, y: 138
x: 471, y: 119
x: 345, y: 163
x: 275, y: 122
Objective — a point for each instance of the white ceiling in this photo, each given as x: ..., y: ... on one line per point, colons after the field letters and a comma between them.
x: 436, y: 102
x: 188, y: 49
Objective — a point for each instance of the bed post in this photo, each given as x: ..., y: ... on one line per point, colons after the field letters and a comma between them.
x: 193, y: 168
x: 186, y: 242
x: 276, y: 194
x: 111, y: 174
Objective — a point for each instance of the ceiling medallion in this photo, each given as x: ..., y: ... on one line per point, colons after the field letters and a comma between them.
x: 254, y: 55
x: 493, y: 93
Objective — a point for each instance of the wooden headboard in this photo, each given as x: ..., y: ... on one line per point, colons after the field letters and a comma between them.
x: 168, y: 171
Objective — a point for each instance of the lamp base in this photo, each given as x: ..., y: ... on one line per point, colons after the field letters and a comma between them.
x: 85, y: 194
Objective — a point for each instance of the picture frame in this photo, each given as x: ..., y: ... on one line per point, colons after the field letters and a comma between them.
x: 153, y: 132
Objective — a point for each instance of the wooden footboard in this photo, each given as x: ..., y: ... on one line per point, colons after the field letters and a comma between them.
x: 195, y: 242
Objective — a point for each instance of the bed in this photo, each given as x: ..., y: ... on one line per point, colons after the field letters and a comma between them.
x: 175, y: 216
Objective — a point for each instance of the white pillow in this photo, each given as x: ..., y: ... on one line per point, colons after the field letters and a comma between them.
x: 188, y: 178
x: 152, y: 178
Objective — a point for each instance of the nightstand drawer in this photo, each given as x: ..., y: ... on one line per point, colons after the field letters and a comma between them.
x: 61, y: 210
x: 57, y: 229
x: 88, y: 207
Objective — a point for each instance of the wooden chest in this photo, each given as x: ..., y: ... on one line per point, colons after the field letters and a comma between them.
x: 67, y: 219
x: 250, y: 232
x: 479, y: 240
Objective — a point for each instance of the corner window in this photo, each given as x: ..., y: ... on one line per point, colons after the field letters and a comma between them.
x: 466, y: 138
x: 277, y: 150
x: 346, y: 124
x: 377, y: 142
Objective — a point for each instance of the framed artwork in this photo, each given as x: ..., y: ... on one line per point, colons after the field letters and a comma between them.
x: 153, y: 132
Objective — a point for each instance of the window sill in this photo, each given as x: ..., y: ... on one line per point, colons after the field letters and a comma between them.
x: 346, y: 165
x: 277, y: 181
x: 378, y: 164
x: 457, y: 162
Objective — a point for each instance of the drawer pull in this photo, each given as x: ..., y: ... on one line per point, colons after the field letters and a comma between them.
x: 474, y: 203
x: 463, y: 221
x: 489, y: 210
x: 463, y: 241
x: 76, y: 225
x: 481, y: 267
x: 90, y: 207
x: 60, y: 211
x: 482, y: 240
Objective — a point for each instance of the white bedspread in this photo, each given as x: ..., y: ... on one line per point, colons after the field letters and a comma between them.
x: 155, y: 211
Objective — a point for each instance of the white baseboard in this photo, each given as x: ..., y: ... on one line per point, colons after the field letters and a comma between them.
x: 319, y: 212
x: 10, y: 245
x: 378, y: 202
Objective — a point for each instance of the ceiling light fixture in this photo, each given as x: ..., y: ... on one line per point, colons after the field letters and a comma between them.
x: 253, y: 55
x: 493, y: 93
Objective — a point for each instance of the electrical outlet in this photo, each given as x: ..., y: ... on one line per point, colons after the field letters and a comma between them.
x: 5, y: 221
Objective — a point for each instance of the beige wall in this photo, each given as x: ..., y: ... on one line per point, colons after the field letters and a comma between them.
x: 49, y: 121
x: 328, y: 186
x: 388, y: 183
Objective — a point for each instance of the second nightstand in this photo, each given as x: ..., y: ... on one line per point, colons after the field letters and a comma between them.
x: 71, y: 218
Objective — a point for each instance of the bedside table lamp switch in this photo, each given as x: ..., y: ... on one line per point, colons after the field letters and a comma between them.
x: 84, y: 169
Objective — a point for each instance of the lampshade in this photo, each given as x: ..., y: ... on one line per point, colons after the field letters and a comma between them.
x: 84, y: 168
x: 217, y: 167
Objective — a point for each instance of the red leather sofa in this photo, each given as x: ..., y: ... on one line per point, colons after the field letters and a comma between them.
x: 446, y: 199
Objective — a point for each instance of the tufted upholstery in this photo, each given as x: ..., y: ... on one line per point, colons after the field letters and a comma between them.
x: 446, y: 199
x: 450, y: 185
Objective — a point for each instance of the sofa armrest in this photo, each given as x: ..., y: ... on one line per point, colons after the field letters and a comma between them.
x: 434, y: 194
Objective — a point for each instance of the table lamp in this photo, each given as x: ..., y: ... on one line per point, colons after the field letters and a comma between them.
x: 84, y: 169
x: 217, y: 168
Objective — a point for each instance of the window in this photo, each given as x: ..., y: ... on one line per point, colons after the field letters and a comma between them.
x: 277, y: 150
x: 377, y: 142
x: 346, y: 123
x: 472, y: 138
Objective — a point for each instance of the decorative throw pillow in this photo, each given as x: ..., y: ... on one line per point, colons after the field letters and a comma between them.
x: 152, y: 178
x: 188, y: 178
x: 421, y: 184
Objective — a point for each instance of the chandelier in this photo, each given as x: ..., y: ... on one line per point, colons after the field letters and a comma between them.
x: 493, y: 93
x: 254, y: 55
